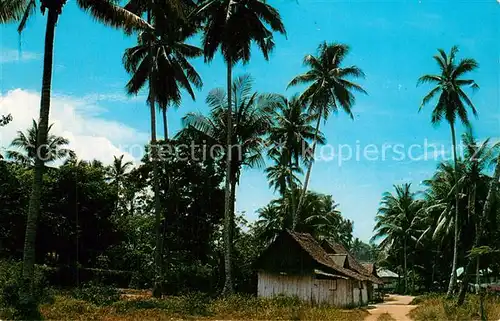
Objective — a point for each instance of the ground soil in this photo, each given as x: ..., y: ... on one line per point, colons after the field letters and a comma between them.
x: 398, y: 306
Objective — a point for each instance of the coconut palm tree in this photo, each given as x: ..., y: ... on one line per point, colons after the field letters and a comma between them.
x: 320, y: 216
x: 26, y: 150
x: 5, y: 119
x: 452, y: 103
x: 107, y: 12
x: 167, y: 65
x: 329, y: 89
x: 397, y: 221
x: 119, y: 169
x: 249, y: 122
x: 281, y: 175
x: 291, y: 134
x: 160, y: 59
x: 233, y: 26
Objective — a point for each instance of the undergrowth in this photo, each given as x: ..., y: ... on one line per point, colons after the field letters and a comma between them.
x: 197, y: 307
x: 437, y: 307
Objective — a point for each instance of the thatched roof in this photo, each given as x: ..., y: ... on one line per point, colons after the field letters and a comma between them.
x: 317, y: 253
x: 353, y: 264
x: 370, y: 267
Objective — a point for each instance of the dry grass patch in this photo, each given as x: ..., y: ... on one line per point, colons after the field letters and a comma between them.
x: 437, y: 308
x: 196, y: 307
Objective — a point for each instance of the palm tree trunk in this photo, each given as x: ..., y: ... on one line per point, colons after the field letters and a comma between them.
x: 43, y: 122
x: 165, y: 122
x: 405, y: 265
x: 228, y: 283
x: 156, y: 184
x: 292, y: 189
x: 453, y: 276
x: 308, y: 173
x: 157, y: 205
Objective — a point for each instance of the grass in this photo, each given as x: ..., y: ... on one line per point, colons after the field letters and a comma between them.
x: 385, y: 317
x: 195, y: 307
x: 436, y: 307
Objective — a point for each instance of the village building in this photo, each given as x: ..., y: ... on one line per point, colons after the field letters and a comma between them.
x: 296, y: 264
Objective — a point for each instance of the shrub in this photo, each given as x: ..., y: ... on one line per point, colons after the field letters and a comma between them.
x: 14, y: 303
x: 436, y: 307
x: 97, y: 294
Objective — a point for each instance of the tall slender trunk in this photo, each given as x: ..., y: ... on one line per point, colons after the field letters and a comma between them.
x: 405, y: 265
x: 43, y: 123
x: 228, y: 282
x: 453, y: 276
x: 156, y: 184
x: 308, y: 173
x: 157, y: 205
x: 165, y: 122
x: 292, y: 191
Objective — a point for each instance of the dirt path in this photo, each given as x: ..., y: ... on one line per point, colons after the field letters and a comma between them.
x: 398, y: 306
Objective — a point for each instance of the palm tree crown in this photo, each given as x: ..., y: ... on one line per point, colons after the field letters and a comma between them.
x: 234, y: 25
x: 452, y: 100
x: 168, y: 66
x: 329, y: 85
x: 250, y: 123
x: 26, y: 150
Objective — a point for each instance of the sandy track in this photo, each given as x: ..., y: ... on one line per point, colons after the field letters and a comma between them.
x: 398, y: 306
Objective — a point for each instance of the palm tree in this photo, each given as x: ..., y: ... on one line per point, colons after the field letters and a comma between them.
x: 397, y: 221
x: 281, y: 175
x: 232, y: 26
x: 160, y: 60
x: 477, y: 158
x: 26, y: 151
x: 167, y: 65
x: 249, y: 122
x: 291, y: 133
x: 320, y: 216
x: 117, y: 174
x: 329, y: 89
x: 119, y: 169
x: 103, y: 10
x: 5, y: 119
x: 451, y: 104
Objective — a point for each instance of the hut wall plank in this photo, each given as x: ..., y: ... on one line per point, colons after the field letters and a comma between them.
x: 338, y: 292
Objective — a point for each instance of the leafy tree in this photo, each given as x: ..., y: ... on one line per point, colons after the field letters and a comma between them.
x: 27, y: 152
x: 397, y: 221
x: 329, y: 89
x: 250, y: 123
x: 103, y: 10
x: 451, y: 104
x: 364, y: 252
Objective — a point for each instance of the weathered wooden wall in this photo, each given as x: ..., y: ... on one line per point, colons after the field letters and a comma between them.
x: 339, y: 292
x: 270, y: 285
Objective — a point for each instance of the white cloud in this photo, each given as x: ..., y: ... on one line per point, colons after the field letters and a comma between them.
x: 11, y: 55
x: 90, y: 136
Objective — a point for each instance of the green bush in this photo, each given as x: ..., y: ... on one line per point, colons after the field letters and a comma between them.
x: 97, y: 294
x: 14, y: 303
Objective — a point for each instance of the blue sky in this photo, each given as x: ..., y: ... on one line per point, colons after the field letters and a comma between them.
x: 392, y: 41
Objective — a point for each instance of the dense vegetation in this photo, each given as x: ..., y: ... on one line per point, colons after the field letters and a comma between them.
x: 169, y: 223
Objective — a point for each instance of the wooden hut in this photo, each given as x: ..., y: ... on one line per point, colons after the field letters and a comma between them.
x: 295, y: 264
